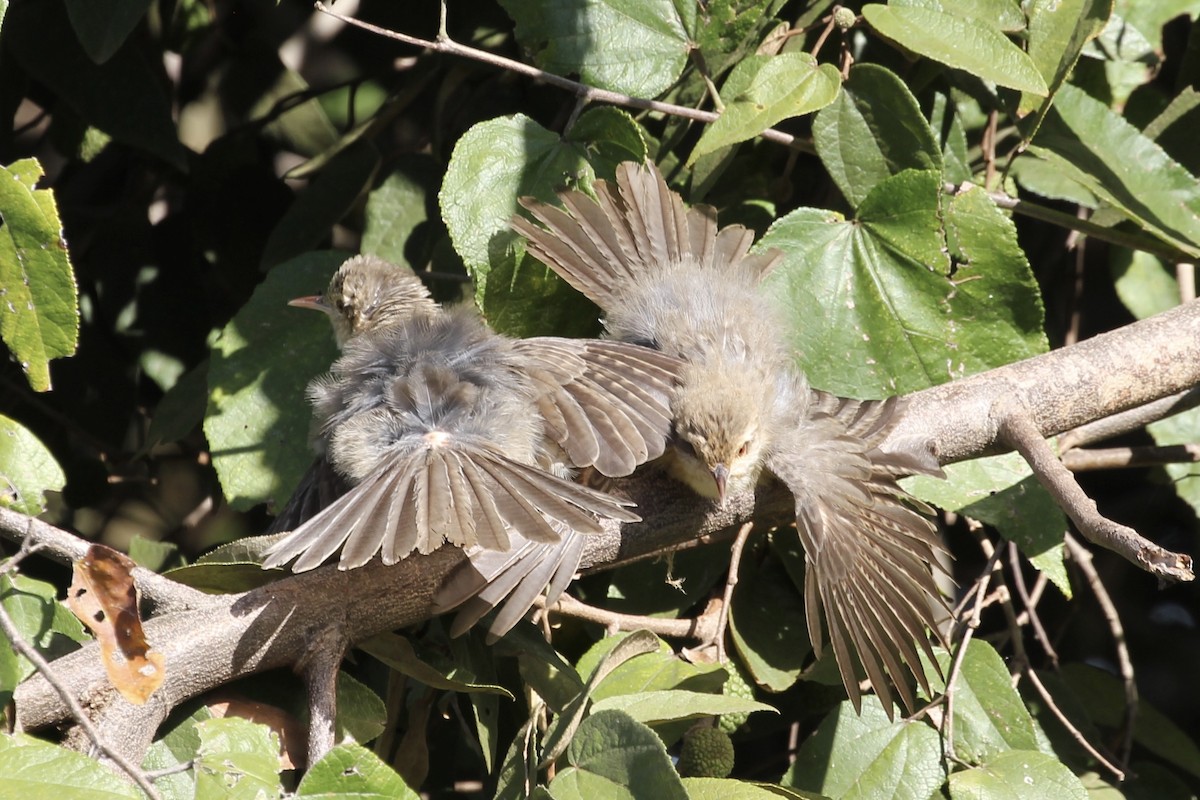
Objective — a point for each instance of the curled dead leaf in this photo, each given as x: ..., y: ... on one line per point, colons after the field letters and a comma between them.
x: 103, y: 596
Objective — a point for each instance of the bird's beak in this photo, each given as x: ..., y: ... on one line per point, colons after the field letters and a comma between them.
x: 316, y: 302
x: 720, y: 474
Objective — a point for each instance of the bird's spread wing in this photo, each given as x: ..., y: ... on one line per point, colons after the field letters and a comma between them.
x: 605, y: 403
x: 446, y: 492
x: 868, y: 551
x: 633, y: 226
x: 509, y: 581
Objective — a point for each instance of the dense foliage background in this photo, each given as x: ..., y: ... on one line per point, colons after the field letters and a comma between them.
x: 957, y: 184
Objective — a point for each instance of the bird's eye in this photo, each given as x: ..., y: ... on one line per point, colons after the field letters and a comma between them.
x: 685, y: 447
x: 743, y: 449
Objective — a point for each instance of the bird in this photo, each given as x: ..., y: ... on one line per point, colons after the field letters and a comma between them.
x: 666, y: 276
x: 431, y: 428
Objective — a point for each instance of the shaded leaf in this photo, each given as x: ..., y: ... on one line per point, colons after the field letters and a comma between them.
x: 766, y: 620
x: 662, y: 706
x: 124, y: 97
x: 103, y: 25
x: 398, y: 653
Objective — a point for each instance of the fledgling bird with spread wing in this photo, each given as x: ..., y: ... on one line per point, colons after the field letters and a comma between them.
x: 431, y: 428
x: 665, y: 276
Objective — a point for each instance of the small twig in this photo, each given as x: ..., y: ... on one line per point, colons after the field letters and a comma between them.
x: 18, y: 643
x: 1083, y: 559
x: 1080, y: 460
x: 1004, y: 596
x: 735, y: 563
x: 1030, y: 675
x: 830, y: 23
x: 1185, y: 276
x: 966, y: 628
x: 1016, y: 429
x: 182, y: 766
x: 700, y: 629
x: 1039, y: 632
x: 1131, y: 420
x: 444, y: 44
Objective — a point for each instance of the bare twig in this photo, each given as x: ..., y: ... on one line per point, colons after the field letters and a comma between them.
x: 1083, y: 558
x: 1018, y: 430
x: 1014, y: 556
x: 735, y: 563
x: 444, y: 44
x: 699, y: 629
x: 1131, y: 420
x: 1031, y: 675
x: 1081, y: 460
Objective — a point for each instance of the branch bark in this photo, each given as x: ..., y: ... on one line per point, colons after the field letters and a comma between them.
x: 226, y: 637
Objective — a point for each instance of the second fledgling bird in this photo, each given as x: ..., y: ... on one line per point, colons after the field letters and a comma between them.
x: 431, y: 428
x: 665, y: 276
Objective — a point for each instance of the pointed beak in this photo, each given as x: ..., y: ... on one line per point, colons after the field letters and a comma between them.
x: 316, y: 302
x: 720, y: 474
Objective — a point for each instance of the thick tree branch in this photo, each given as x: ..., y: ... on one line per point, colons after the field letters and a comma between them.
x: 274, y: 626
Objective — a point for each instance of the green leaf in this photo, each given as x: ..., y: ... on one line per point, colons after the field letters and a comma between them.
x: 360, y: 712
x: 1002, y: 492
x: 763, y: 90
x: 1180, y: 429
x: 181, y: 409
x: 612, y: 755
x: 257, y: 419
x: 237, y: 760
x: 1175, y: 129
x: 39, y: 318
x: 1116, y: 162
x: 177, y: 746
x: 663, y: 706
x: 33, y: 768
x: 946, y: 125
x: 397, y: 207
x: 103, y: 25
x: 642, y: 51
x: 124, y: 97
x: 41, y: 621
x: 766, y: 620
x: 732, y: 789
x: 27, y: 469
x: 871, y: 307
x: 500, y: 160
x: 989, y: 715
x: 1143, y: 282
x: 327, y: 199
x: 350, y: 770
x: 1058, y: 31
x: 1018, y: 775
x: 975, y: 45
x: 873, y: 130
x: 852, y: 756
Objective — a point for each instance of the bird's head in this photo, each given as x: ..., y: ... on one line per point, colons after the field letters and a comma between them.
x: 720, y: 439
x: 368, y: 293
